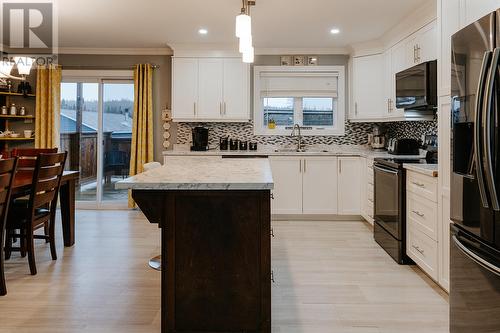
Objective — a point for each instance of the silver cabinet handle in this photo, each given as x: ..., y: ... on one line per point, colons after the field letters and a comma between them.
x: 356, y: 108
x: 194, y: 108
x: 220, y: 108
x: 414, y: 54
x: 272, y: 232
x: 225, y: 108
x: 305, y: 165
x: 340, y: 166
x: 418, y: 213
x: 418, y: 184
x: 419, y: 250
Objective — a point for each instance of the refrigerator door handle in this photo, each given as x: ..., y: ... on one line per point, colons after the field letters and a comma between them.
x: 477, y: 128
x: 474, y: 257
x: 487, y: 136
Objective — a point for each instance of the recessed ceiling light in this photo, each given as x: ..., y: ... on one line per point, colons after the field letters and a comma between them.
x: 203, y: 31
x: 334, y: 31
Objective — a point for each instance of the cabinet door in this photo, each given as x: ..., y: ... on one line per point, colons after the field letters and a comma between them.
x: 349, y: 186
x: 475, y: 9
x: 368, y: 93
x: 287, y: 176
x: 450, y: 23
x: 427, y: 43
x: 236, y: 90
x: 320, y: 185
x: 184, y: 88
x: 411, y: 45
x: 210, y: 89
x: 398, y: 57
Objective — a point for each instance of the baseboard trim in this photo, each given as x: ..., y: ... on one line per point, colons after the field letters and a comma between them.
x: 315, y: 217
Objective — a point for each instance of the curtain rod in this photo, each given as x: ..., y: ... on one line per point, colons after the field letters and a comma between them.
x: 104, y: 67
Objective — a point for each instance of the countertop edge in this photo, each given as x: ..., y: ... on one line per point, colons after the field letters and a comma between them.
x: 422, y: 170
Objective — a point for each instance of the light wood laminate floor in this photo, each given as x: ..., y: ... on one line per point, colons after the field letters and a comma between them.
x: 330, y: 277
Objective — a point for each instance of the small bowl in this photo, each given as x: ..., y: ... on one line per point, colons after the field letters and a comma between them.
x: 15, y: 135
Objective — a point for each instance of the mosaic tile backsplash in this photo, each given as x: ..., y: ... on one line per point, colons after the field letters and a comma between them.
x: 355, y: 133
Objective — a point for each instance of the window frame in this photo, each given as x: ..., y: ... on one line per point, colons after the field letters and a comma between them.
x: 339, y: 115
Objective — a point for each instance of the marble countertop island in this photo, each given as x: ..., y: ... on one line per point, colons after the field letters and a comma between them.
x: 214, y: 173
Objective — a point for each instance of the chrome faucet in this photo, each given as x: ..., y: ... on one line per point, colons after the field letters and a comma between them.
x: 300, y: 145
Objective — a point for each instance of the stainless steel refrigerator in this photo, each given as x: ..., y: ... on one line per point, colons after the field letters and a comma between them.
x: 475, y: 178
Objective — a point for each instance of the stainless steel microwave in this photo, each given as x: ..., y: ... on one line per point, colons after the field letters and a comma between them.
x: 416, y: 87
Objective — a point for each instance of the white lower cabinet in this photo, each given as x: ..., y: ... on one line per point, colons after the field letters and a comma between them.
x: 316, y: 185
x: 422, y: 222
x: 287, y: 177
x: 319, y: 185
x: 349, y: 186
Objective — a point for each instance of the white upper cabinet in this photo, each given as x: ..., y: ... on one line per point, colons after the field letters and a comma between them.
x: 236, y: 90
x: 349, y: 185
x: 210, y: 90
x: 185, y: 87
x: 475, y: 9
x: 210, y: 85
x: 450, y: 24
x: 422, y: 45
x: 367, y: 90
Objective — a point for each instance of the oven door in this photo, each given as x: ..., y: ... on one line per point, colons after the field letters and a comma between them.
x: 388, y: 187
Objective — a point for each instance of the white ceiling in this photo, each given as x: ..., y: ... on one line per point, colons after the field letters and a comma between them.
x: 276, y: 23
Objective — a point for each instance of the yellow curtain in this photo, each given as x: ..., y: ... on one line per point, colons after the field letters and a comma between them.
x: 142, y: 128
x: 48, y: 105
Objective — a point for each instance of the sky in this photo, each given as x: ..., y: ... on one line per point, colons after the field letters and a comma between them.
x: 112, y: 91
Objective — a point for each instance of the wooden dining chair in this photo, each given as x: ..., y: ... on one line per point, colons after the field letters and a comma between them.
x: 27, y: 156
x: 40, y: 209
x: 7, y: 173
x: 26, y: 164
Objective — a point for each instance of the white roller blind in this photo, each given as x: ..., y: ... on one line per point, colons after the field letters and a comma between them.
x: 298, y: 84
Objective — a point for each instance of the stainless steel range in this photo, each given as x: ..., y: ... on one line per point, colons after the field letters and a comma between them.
x: 390, y: 206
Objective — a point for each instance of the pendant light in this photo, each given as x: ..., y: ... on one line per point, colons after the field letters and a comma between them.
x: 244, y: 31
x: 5, y: 68
x: 24, y: 65
x: 249, y: 55
x: 243, y: 25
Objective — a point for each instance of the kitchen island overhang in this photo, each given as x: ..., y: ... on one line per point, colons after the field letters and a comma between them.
x: 215, y: 221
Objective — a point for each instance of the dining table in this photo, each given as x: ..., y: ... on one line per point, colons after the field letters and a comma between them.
x: 22, y: 185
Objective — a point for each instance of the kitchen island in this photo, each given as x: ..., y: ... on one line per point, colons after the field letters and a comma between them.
x: 215, y: 221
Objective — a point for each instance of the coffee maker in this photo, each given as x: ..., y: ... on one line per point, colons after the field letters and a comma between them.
x: 377, y: 138
x: 200, y: 139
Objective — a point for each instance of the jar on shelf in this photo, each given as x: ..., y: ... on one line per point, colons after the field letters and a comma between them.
x: 13, y: 109
x: 22, y: 111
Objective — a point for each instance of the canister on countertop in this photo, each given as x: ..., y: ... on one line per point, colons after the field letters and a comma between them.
x: 233, y: 144
x: 243, y: 145
x: 253, y: 146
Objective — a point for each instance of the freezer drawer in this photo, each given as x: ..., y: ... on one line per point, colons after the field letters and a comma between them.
x: 474, y: 285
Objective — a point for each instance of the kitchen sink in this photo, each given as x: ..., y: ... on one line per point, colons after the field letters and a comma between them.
x: 305, y: 150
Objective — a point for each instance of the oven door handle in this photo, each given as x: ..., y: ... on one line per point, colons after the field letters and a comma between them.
x: 394, y: 172
x: 476, y: 258
x: 478, y: 157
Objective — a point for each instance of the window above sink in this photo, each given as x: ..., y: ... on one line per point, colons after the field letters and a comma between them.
x: 313, y: 97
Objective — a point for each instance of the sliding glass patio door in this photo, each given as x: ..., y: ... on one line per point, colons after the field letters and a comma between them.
x: 96, y: 130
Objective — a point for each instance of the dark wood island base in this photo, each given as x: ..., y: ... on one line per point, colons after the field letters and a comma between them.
x: 216, y: 270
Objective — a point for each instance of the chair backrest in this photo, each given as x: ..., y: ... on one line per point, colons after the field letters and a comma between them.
x: 46, y: 181
x: 7, y: 173
x: 27, y: 156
